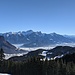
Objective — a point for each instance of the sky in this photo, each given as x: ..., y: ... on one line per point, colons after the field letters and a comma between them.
x: 46, y: 16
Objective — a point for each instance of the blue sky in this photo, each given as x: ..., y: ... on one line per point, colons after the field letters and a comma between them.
x: 39, y: 15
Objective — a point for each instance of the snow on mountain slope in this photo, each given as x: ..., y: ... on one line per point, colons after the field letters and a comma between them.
x: 35, y: 39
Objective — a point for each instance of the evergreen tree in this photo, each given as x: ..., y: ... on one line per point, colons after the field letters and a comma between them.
x: 1, y: 54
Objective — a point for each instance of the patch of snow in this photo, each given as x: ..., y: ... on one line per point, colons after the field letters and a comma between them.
x: 4, y: 74
x: 43, y: 53
x: 17, y: 45
x: 19, y: 33
x: 45, y: 59
x: 7, y: 56
x: 7, y: 35
x: 41, y: 59
x: 48, y: 59
x: 50, y: 39
x: 28, y: 39
x: 13, y: 32
x: 51, y: 58
x: 58, y: 56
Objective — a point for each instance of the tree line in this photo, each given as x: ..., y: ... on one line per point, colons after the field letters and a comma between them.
x: 34, y: 66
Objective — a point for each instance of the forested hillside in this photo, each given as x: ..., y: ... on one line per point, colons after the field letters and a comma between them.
x: 34, y: 66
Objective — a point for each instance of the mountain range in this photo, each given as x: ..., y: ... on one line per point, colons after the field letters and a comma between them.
x: 56, y: 52
x: 36, y: 39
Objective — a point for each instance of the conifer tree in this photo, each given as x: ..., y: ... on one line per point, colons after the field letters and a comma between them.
x: 1, y: 54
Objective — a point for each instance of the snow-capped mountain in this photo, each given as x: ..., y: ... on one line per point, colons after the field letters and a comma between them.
x: 35, y: 39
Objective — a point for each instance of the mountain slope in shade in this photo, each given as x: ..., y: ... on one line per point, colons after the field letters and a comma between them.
x: 7, y: 47
x: 35, y: 39
x: 69, y: 57
x: 71, y: 37
x: 57, y: 52
x: 60, y: 50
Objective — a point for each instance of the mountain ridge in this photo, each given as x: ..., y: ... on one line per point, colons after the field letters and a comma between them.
x: 35, y: 39
x: 8, y: 48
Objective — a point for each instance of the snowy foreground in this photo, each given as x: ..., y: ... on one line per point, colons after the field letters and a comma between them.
x: 4, y: 74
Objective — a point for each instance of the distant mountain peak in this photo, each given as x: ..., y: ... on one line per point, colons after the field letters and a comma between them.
x: 28, y: 38
x: 54, y: 33
x: 29, y: 31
